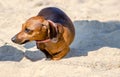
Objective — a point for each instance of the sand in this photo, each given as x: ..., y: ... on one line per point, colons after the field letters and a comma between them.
x: 95, y: 51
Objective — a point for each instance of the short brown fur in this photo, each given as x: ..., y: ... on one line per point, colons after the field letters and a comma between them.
x: 52, y: 30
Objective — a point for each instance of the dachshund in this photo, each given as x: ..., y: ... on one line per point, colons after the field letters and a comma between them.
x: 52, y: 30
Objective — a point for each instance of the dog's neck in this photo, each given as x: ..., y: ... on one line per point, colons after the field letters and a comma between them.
x: 55, y: 39
x: 43, y: 41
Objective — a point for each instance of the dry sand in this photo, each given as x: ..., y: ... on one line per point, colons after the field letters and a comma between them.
x: 95, y: 51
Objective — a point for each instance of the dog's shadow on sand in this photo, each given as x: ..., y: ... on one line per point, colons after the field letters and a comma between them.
x: 93, y: 35
x: 10, y: 53
x: 90, y: 36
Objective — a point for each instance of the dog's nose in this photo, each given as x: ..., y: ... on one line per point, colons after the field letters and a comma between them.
x: 13, y: 39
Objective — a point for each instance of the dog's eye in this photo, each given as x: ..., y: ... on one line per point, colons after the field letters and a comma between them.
x: 28, y: 30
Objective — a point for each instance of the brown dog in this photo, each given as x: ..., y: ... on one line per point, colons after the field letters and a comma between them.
x: 52, y: 30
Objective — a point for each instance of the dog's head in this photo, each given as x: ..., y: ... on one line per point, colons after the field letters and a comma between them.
x: 37, y: 29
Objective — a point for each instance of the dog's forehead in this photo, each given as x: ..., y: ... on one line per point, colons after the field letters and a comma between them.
x: 34, y: 22
x: 35, y: 19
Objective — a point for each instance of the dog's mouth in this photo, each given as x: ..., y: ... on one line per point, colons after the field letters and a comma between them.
x: 25, y: 41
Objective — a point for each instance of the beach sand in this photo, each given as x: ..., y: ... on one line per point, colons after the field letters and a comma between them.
x: 95, y: 51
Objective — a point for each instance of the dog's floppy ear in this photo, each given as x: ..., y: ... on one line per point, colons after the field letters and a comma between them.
x: 53, y: 31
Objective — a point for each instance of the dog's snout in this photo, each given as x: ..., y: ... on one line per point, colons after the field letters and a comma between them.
x: 13, y: 39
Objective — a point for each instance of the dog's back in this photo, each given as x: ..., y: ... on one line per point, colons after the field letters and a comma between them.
x: 54, y: 14
x: 58, y: 16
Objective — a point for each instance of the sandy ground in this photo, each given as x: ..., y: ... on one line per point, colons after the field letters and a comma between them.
x: 95, y: 51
